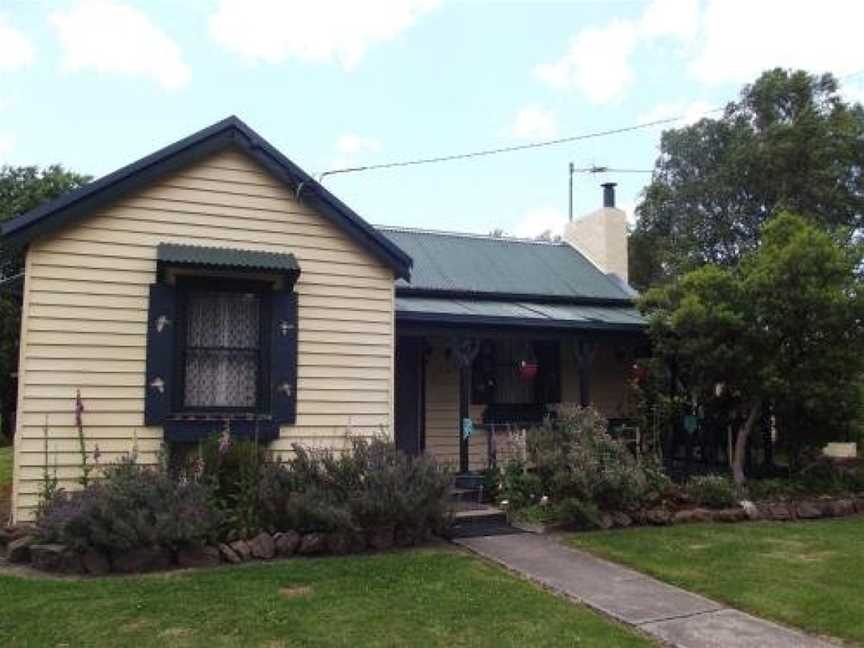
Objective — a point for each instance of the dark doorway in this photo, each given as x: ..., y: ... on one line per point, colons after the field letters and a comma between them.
x: 409, y: 391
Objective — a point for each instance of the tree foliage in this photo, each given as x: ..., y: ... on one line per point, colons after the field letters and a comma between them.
x: 789, y: 143
x: 777, y: 328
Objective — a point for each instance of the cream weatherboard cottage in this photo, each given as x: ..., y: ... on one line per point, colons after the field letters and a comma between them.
x: 215, y: 281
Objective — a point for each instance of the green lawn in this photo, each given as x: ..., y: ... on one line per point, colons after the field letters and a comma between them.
x: 5, y: 481
x: 429, y: 597
x: 806, y: 574
x: 5, y: 466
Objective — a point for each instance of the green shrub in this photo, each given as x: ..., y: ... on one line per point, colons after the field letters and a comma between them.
x: 575, y: 458
x: 519, y: 488
x: 712, y: 491
x: 581, y: 471
x: 132, y: 506
x: 371, y: 485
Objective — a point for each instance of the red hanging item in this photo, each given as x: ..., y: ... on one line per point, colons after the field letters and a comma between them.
x: 527, y: 367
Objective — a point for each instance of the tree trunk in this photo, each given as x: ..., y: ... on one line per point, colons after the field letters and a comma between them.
x: 741, y: 442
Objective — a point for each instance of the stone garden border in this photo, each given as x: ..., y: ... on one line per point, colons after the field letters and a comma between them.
x: 22, y: 547
x: 810, y: 508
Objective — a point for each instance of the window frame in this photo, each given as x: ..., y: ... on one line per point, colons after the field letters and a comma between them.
x: 186, y: 284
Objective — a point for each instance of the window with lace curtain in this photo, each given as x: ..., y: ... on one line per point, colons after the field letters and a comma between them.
x: 221, y: 359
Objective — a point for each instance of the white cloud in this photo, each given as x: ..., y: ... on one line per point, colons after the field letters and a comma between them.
x: 352, y: 150
x: 597, y: 62
x: 670, y: 18
x: 7, y: 143
x: 111, y: 37
x: 629, y: 209
x: 538, y: 220
x: 350, y: 144
x: 852, y: 91
x: 741, y: 38
x: 534, y: 122
x: 322, y: 31
x: 690, y: 113
x: 16, y: 50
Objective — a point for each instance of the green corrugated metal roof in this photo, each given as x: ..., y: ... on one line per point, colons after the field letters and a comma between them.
x: 521, y: 313
x: 226, y: 257
x: 483, y: 264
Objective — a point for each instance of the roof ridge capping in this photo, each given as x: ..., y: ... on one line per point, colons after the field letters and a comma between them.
x: 468, y: 235
x: 231, y: 131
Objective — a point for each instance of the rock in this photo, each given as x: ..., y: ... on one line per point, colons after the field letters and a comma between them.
x: 242, y: 549
x: 286, y: 543
x: 842, y: 507
x: 691, y: 515
x: 16, y: 531
x: 781, y: 512
x: 640, y: 517
x: 658, y: 516
x: 262, y: 546
x: 729, y: 515
x: 359, y: 544
x: 622, y: 520
x: 198, y: 557
x: 751, y: 510
x: 313, y: 544
x: 380, y: 539
x: 18, y: 550
x: 808, y: 511
x: 339, y: 543
x: 55, y: 558
x: 229, y: 555
x: 95, y: 563
x: 859, y: 504
x: 605, y: 521
x: 142, y: 559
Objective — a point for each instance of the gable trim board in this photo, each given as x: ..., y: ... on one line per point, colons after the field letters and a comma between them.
x: 229, y: 132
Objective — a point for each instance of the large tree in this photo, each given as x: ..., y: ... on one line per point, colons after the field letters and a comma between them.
x: 790, y: 142
x: 21, y: 189
x: 782, y: 327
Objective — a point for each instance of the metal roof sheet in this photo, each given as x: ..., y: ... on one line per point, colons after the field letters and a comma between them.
x: 484, y: 264
x: 226, y: 257
x: 519, y: 313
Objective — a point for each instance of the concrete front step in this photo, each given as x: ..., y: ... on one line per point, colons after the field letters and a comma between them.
x: 468, y: 481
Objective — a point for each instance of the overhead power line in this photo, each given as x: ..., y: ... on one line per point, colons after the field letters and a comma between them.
x: 541, y: 144
x: 512, y: 149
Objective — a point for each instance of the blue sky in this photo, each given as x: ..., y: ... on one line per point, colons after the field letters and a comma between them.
x: 96, y: 84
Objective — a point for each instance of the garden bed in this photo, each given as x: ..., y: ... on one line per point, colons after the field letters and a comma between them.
x: 778, y: 511
x: 229, y: 502
x: 22, y: 546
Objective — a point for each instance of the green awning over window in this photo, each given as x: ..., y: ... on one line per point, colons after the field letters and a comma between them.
x: 217, y: 257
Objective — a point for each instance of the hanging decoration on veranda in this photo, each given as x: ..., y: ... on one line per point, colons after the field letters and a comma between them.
x: 526, y: 365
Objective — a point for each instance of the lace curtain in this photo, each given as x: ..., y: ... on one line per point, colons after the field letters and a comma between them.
x: 222, y: 342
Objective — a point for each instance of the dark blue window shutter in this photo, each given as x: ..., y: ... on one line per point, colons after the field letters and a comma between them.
x: 283, y: 358
x: 161, y: 331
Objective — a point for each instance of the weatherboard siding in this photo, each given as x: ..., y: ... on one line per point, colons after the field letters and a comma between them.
x: 85, y: 318
x: 442, y: 405
x: 609, y: 388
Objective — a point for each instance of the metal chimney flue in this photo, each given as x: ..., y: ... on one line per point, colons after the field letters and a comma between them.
x: 609, y: 193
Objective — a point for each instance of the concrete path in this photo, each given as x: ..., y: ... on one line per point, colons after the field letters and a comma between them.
x: 668, y: 613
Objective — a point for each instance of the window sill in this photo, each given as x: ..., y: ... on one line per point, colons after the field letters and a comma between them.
x: 186, y: 428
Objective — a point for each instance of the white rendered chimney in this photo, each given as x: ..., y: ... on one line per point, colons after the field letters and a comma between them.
x: 602, y: 235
